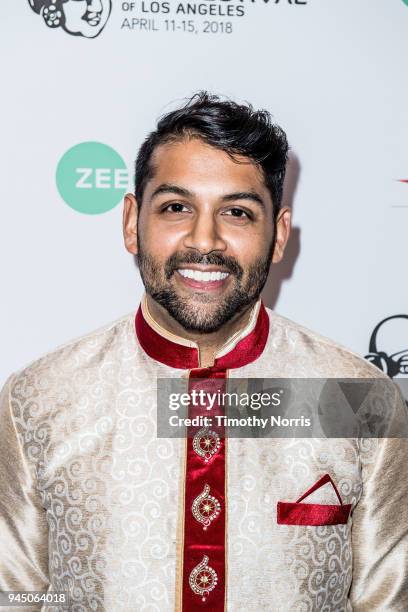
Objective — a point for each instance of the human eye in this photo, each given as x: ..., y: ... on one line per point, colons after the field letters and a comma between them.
x: 175, y: 207
x: 238, y: 213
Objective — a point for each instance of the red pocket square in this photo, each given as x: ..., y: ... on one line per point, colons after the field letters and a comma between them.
x: 296, y: 513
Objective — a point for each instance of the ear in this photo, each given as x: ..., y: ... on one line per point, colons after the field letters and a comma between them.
x: 130, y: 213
x: 282, y: 229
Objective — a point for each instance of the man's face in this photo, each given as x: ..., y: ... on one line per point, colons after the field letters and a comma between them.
x: 86, y: 17
x: 204, y: 234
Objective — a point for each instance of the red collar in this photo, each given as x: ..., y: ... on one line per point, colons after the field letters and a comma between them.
x: 242, y: 348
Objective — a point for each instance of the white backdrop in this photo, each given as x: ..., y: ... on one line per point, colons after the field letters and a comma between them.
x: 332, y: 72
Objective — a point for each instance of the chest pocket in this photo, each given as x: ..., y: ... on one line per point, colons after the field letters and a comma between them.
x: 298, y: 513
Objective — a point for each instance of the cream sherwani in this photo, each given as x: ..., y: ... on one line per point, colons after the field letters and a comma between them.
x: 91, y: 501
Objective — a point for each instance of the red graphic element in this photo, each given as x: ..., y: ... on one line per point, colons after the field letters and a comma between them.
x: 289, y: 513
x: 403, y: 180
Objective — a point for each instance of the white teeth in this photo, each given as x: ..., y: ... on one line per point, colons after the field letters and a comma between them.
x: 204, y: 277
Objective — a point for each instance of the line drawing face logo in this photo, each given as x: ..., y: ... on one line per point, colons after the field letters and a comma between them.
x: 389, y: 346
x: 389, y: 349
x: 77, y: 17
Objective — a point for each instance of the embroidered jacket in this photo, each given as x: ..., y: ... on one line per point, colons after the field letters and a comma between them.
x: 94, y: 504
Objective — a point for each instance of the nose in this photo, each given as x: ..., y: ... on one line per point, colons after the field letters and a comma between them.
x: 94, y: 6
x: 204, y: 235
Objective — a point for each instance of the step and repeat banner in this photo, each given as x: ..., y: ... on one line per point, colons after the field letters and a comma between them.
x: 84, y: 82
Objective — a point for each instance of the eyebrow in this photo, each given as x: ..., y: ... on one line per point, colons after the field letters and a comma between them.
x: 168, y: 188
x: 244, y: 195
x: 230, y: 197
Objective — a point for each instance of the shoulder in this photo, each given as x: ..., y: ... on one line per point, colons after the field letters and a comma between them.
x: 76, y: 355
x: 319, y: 356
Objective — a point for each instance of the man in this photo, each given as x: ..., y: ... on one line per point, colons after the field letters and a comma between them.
x: 78, y: 17
x: 94, y: 504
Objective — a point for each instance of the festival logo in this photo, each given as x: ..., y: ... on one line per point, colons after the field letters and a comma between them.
x: 77, y: 17
x: 92, y: 178
x: 388, y: 349
x: 87, y: 18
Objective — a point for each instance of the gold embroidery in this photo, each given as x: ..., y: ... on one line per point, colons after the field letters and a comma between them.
x: 203, y: 579
x: 206, y: 507
x: 206, y: 443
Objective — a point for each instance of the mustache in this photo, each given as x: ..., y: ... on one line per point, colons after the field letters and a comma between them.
x: 216, y: 259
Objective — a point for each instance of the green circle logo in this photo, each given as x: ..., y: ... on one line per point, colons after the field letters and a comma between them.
x: 92, y: 178
x: 405, y: 2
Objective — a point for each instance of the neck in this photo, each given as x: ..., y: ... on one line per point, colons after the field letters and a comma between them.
x: 208, y: 343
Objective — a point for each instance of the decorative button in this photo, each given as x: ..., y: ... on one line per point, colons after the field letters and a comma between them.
x: 206, y: 443
x: 203, y: 579
x: 206, y: 507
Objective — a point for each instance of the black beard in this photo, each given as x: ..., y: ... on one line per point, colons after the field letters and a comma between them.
x: 242, y: 295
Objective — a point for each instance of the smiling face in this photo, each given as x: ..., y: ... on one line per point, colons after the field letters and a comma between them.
x: 204, y: 234
x: 86, y: 17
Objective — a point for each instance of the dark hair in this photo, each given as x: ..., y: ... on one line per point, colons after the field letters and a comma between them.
x: 237, y: 129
